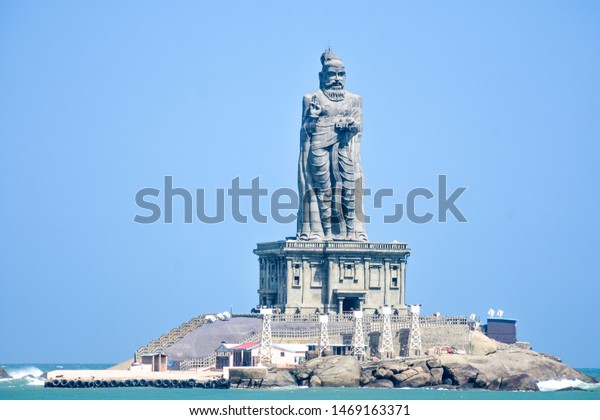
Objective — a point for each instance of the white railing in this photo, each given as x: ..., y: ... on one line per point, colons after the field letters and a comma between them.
x: 291, y: 244
x: 203, y: 362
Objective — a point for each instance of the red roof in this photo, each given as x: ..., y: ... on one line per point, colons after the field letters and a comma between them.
x: 245, y: 346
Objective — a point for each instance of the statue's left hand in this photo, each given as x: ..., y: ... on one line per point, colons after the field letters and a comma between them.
x: 346, y: 124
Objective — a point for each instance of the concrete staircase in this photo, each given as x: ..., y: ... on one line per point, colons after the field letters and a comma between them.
x: 168, y: 339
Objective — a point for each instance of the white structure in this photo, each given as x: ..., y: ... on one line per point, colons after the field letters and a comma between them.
x: 324, y: 338
x: 248, y: 354
x: 414, y: 338
x: 266, y: 347
x: 358, y: 340
x: 387, y: 349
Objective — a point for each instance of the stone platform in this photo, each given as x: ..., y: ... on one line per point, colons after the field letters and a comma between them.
x: 301, y: 277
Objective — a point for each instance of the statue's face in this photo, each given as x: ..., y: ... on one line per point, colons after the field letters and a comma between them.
x: 333, y: 77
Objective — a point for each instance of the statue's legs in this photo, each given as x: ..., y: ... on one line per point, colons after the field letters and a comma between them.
x: 346, y: 166
x: 321, y: 171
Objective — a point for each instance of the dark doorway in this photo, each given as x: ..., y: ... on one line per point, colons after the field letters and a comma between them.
x: 351, y: 304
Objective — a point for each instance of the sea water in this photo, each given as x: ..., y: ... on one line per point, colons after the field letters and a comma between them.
x: 27, y: 384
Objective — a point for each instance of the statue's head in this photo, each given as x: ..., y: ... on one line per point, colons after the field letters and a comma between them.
x: 332, y: 76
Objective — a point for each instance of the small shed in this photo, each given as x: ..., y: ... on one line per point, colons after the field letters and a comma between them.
x: 157, y: 361
x: 502, y: 329
x: 223, y: 355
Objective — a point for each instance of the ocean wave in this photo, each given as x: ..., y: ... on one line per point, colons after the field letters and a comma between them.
x: 557, y: 385
x: 34, y: 381
x: 21, y: 372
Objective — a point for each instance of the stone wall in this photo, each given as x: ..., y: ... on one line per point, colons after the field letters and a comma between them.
x: 455, y: 336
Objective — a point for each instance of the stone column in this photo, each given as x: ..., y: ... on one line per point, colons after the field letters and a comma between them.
x: 402, y: 284
x: 328, y: 289
x: 386, y: 281
x: 289, y: 279
x: 261, y: 264
x: 280, y: 281
x: 367, y: 262
x: 305, y: 278
x: 267, y: 272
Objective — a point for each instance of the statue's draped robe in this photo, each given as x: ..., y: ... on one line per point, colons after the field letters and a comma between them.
x: 330, y: 177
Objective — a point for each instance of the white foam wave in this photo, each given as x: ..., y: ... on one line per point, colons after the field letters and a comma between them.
x: 34, y: 381
x: 556, y: 385
x: 21, y: 372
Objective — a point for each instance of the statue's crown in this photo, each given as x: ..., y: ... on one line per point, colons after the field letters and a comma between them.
x: 329, y: 56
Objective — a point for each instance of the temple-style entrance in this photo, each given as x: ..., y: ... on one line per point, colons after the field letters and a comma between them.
x: 350, y: 304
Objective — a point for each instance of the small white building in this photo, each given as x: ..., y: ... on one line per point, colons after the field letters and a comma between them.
x: 247, y: 354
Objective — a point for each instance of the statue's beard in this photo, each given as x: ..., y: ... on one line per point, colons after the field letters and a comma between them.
x: 335, y: 93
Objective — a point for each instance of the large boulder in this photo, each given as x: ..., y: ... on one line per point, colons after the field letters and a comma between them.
x: 279, y: 378
x: 460, y: 373
x: 383, y: 373
x: 394, y: 365
x: 437, y: 374
x: 315, y: 382
x: 380, y: 383
x: 433, y: 363
x: 503, y: 364
x: 419, y: 380
x: 336, y: 371
x: 401, y: 377
x: 366, y: 377
x: 481, y: 381
x: 521, y: 382
x: 3, y: 374
x: 482, y: 345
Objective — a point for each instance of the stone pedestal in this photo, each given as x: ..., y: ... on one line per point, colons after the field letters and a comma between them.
x: 336, y: 276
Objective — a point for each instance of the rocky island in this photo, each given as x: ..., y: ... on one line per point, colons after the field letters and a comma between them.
x: 491, y: 365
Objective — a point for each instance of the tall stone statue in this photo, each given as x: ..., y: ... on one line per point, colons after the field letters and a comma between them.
x: 330, y: 178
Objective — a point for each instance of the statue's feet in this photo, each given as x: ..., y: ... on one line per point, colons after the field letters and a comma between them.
x: 302, y: 237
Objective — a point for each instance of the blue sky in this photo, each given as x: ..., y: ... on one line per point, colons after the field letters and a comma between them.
x: 101, y: 99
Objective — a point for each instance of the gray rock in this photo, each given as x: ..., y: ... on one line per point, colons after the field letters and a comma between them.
x: 460, y: 373
x: 302, y: 376
x: 380, y: 383
x: 366, y: 377
x: 336, y: 371
x: 494, y: 385
x: 3, y: 374
x: 401, y: 377
x: 315, y: 382
x: 419, y: 380
x: 419, y: 365
x: 437, y: 374
x: 382, y: 373
x: 394, y: 365
x: 505, y: 363
x: 434, y: 363
x: 521, y: 382
x: 279, y: 378
x: 481, y: 381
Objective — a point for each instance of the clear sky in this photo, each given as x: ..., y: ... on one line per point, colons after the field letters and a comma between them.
x: 101, y: 99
